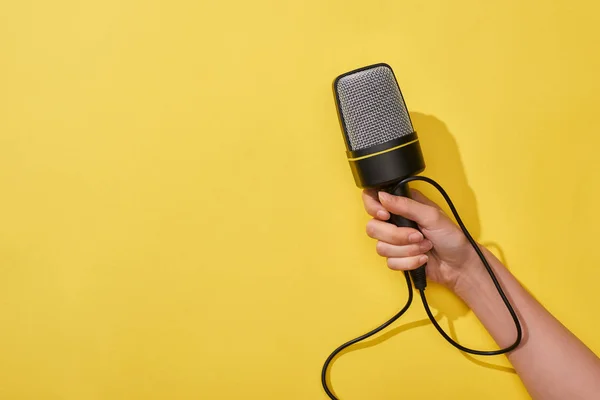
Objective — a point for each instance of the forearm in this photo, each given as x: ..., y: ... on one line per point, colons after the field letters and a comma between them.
x: 551, y: 361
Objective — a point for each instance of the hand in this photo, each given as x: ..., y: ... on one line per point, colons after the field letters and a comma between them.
x: 442, y: 245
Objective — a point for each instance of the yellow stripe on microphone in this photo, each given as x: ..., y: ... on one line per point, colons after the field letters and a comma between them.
x: 383, y: 151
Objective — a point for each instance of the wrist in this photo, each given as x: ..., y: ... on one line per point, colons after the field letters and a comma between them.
x: 473, y: 277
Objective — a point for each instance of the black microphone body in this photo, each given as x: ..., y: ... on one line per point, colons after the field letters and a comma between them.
x: 381, y: 145
x: 418, y: 275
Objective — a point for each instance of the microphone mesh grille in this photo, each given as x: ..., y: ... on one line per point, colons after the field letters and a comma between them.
x: 372, y: 107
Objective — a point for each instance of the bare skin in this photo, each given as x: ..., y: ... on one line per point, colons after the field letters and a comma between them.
x: 552, y: 363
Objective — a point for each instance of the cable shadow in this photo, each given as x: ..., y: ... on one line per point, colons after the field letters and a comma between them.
x: 501, y: 368
x: 379, y: 339
x: 444, y: 164
x: 390, y: 334
x: 454, y: 308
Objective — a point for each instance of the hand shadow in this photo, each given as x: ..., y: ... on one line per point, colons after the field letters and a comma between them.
x: 444, y: 165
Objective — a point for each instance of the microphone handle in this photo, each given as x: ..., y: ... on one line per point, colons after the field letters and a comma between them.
x: 418, y: 275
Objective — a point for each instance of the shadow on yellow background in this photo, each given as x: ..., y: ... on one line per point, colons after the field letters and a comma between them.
x: 177, y: 215
x: 444, y: 164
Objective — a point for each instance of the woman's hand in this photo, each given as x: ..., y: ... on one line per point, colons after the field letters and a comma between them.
x: 551, y: 362
x: 442, y: 245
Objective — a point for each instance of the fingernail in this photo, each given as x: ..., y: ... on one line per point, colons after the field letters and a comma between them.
x: 383, y: 196
x: 383, y: 214
x: 423, y: 259
x: 426, y: 245
x: 415, y: 237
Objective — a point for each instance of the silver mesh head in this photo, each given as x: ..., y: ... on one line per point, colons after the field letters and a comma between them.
x: 372, y: 107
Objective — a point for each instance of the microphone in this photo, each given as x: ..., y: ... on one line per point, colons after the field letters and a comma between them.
x: 384, y: 153
x: 381, y: 145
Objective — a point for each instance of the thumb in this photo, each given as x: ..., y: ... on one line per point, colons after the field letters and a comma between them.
x: 427, y: 216
x: 421, y: 198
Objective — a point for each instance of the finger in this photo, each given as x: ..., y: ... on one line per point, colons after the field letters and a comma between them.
x: 406, y: 263
x: 426, y: 216
x: 373, y: 206
x: 393, y: 234
x: 421, y: 198
x: 389, y: 250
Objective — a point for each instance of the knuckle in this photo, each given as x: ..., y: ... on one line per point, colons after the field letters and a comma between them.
x: 369, y: 204
x: 391, y: 263
x: 370, y: 229
x: 381, y: 248
x: 369, y: 209
x: 397, y: 263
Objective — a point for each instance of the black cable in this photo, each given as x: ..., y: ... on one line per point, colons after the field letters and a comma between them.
x: 487, y: 267
x: 424, y: 299
x: 366, y: 335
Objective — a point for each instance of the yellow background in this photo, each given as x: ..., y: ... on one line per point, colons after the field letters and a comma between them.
x: 178, y: 220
